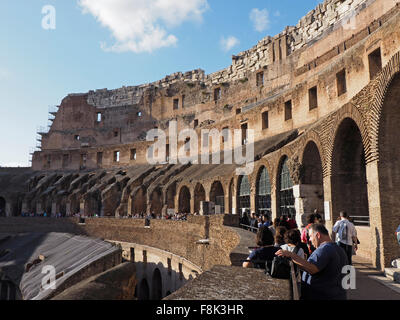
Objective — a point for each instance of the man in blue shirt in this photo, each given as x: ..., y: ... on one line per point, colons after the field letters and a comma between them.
x: 322, y: 279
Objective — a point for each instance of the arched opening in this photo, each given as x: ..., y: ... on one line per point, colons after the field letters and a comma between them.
x: 263, y: 192
x: 184, y: 200
x: 171, y: 193
x: 157, y: 285
x: 285, y: 191
x: 2, y: 207
x: 389, y: 171
x: 139, y: 202
x: 156, y: 203
x: 243, y: 194
x: 217, y: 195
x: 144, y: 291
x: 349, y: 181
x: 312, y: 185
x: 199, y: 195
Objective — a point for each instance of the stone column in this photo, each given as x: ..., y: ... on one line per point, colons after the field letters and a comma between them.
x: 380, y: 247
x: 68, y: 209
x: 274, y: 203
x: 82, y: 207
x: 328, y: 216
x: 307, y: 199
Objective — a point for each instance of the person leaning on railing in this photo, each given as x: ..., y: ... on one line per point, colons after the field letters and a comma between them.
x: 265, y: 251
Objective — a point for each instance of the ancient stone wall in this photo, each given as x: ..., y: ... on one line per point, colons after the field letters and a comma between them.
x: 178, y: 237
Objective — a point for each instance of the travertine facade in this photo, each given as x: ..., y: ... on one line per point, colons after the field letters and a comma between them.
x: 321, y: 98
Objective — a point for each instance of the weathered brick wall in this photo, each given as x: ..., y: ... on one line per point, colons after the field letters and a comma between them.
x: 178, y: 237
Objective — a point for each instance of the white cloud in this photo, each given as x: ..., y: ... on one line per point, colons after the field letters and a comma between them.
x: 228, y: 43
x: 260, y: 19
x: 142, y: 25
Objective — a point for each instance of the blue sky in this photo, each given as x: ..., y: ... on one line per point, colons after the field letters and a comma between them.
x: 39, y: 67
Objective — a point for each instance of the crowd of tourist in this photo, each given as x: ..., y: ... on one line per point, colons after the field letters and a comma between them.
x: 153, y: 216
x: 319, y: 255
x: 45, y: 215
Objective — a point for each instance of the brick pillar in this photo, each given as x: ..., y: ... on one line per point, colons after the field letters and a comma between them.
x: 380, y: 245
x: 274, y: 203
x: 328, y: 216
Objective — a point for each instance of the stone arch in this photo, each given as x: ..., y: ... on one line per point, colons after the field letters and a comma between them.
x: 284, y: 189
x: 139, y: 201
x: 2, y: 207
x: 311, y: 190
x: 389, y: 173
x: 351, y: 112
x: 315, y: 137
x: 143, y: 293
x: 156, y: 203
x: 243, y: 194
x: 263, y: 192
x: 170, y: 196
x: 157, y: 287
x: 184, y: 200
x: 348, y: 173
x: 217, y: 195
x: 376, y: 96
x: 199, y: 195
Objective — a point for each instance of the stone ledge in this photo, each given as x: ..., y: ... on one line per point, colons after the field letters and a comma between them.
x: 393, y: 274
x: 234, y: 283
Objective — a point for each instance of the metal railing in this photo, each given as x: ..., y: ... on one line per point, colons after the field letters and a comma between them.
x: 247, y: 227
x: 361, y: 220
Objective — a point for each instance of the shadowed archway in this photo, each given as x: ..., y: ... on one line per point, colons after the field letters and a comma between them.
x: 349, y: 181
x: 217, y: 195
x: 184, y: 200
x: 199, y: 196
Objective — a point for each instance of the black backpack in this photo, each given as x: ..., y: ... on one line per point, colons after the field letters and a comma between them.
x: 280, y: 266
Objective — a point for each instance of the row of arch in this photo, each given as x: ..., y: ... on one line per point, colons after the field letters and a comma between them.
x: 349, y: 181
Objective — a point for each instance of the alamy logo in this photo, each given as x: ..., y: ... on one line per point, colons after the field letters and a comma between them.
x: 49, y: 19
x: 238, y: 148
x: 49, y: 280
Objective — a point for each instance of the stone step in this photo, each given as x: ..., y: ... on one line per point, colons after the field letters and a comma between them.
x: 393, y: 274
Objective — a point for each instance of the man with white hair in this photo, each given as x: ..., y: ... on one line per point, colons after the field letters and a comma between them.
x: 322, y: 279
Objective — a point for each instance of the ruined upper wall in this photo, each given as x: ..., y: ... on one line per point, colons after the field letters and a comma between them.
x: 133, y: 95
x: 324, y: 18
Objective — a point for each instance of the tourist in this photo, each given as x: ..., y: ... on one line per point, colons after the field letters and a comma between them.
x: 346, y: 235
x: 265, y: 251
x: 283, y: 222
x: 280, y: 236
x: 274, y: 226
x: 266, y: 220
x: 259, y: 221
x: 322, y: 279
x: 398, y: 234
x: 292, y: 222
x: 292, y: 239
x: 253, y: 221
x: 305, y: 236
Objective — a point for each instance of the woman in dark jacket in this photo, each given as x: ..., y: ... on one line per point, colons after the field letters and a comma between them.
x: 265, y: 251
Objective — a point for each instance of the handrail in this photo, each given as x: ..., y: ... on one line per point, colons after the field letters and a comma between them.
x: 248, y: 227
